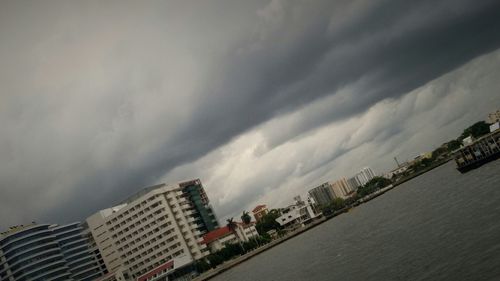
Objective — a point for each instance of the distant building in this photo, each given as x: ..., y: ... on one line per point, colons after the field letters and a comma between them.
x: 341, y: 188
x: 49, y: 252
x: 160, y: 227
x: 259, y: 212
x: 323, y: 194
x: 298, y: 214
x: 494, y: 117
x: 396, y: 171
x: 365, y: 175
x: 468, y: 140
x: 353, y: 183
x: 219, y: 238
x: 494, y: 127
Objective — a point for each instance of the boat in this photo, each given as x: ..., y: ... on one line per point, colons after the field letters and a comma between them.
x: 478, y: 152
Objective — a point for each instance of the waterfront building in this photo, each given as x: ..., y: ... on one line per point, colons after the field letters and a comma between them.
x: 322, y: 194
x: 219, y: 238
x: 48, y: 252
x: 353, y: 183
x: 365, y: 175
x: 298, y: 214
x: 341, y: 188
x: 259, y: 211
x: 475, y: 154
x: 396, y: 172
x: 494, y: 127
x: 158, y: 226
x: 494, y: 117
x: 79, y: 250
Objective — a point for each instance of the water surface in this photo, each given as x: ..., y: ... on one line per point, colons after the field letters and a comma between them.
x: 440, y: 226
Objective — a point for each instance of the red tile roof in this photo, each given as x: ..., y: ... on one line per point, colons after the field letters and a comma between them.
x: 167, y: 265
x: 216, y: 234
x: 258, y: 208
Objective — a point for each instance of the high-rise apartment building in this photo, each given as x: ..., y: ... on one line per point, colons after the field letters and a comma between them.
x: 323, y: 194
x: 158, y: 230
x: 365, y: 175
x: 341, y: 188
x: 48, y: 252
x: 353, y: 182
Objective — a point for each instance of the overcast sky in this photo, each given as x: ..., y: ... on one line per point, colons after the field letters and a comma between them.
x: 261, y: 100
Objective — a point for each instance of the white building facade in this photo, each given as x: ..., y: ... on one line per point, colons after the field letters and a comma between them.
x: 150, y: 229
x: 299, y: 213
x: 365, y: 175
x: 219, y: 238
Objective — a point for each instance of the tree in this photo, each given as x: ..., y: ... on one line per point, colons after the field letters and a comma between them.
x: 337, y: 204
x: 231, y: 224
x: 202, y: 265
x: 477, y: 130
x: 373, y: 185
x: 246, y: 218
x: 268, y: 222
x: 453, y: 145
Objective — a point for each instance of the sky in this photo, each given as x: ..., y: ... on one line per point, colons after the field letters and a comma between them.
x: 261, y: 100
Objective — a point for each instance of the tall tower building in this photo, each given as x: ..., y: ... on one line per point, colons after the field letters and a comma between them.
x: 365, y: 175
x: 157, y: 231
x: 341, y: 188
x: 322, y: 194
x: 48, y: 252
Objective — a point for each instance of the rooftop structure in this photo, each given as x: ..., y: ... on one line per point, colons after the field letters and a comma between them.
x: 494, y: 116
x: 218, y: 238
x: 297, y: 214
x: 259, y: 212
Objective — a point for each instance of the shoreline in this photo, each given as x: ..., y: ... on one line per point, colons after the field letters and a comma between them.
x: 236, y: 261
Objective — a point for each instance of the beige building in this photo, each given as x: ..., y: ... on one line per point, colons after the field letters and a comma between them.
x: 341, y: 188
x: 259, y: 212
x: 153, y: 227
x: 494, y: 116
x: 219, y: 238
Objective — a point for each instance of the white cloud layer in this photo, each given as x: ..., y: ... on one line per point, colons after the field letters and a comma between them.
x: 247, y: 171
x: 260, y: 99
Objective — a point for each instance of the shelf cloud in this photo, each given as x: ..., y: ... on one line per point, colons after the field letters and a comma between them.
x: 260, y: 99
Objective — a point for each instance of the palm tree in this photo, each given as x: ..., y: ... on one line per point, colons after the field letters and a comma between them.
x: 232, y: 225
x: 246, y: 218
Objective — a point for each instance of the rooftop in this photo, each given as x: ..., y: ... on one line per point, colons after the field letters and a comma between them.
x: 216, y: 234
x: 259, y: 208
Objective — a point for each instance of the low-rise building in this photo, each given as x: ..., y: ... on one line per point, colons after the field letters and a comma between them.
x: 297, y: 214
x: 259, y: 212
x: 396, y: 172
x: 219, y: 238
x: 494, y: 117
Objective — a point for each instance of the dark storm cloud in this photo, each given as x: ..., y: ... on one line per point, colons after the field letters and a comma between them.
x: 396, y: 46
x: 280, y: 57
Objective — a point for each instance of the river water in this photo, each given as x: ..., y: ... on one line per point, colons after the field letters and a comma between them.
x: 440, y: 226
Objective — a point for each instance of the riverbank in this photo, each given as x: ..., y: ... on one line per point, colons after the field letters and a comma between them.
x: 234, y: 262
x: 231, y: 263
